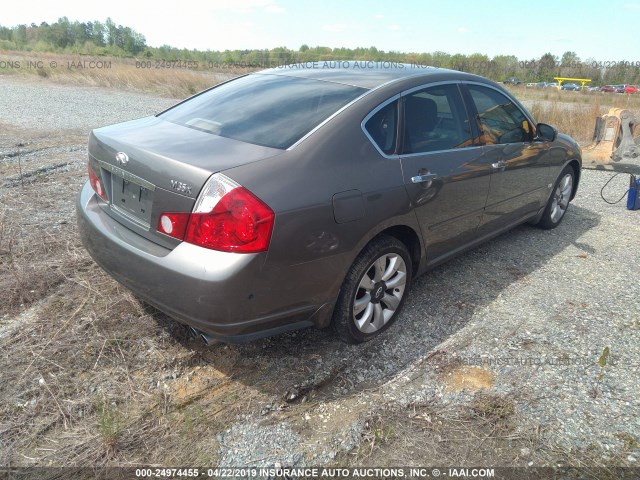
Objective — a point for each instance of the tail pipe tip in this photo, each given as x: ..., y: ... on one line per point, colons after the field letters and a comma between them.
x: 195, y: 333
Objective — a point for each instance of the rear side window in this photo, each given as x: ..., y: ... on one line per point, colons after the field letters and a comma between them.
x: 500, y: 120
x: 271, y: 110
x: 382, y: 127
x: 435, y: 119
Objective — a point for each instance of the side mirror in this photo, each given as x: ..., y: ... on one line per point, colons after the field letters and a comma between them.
x: 546, y: 132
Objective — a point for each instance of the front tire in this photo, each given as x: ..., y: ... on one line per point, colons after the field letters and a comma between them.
x: 559, y: 202
x: 373, y: 291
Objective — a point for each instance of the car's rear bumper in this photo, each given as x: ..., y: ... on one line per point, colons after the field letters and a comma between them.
x: 225, y: 295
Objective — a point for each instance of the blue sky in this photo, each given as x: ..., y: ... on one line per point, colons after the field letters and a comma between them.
x: 602, y: 31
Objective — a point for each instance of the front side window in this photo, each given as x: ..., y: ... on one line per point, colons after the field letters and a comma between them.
x: 499, y: 119
x: 270, y: 110
x: 435, y: 119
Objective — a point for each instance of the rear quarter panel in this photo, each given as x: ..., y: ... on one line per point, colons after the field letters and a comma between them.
x: 308, y: 245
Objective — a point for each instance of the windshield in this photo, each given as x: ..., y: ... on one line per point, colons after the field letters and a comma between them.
x: 270, y: 110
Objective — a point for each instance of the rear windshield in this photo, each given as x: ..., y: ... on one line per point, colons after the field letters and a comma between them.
x: 270, y: 110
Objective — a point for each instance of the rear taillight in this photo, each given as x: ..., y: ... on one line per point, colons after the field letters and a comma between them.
x: 96, y: 183
x: 226, y: 217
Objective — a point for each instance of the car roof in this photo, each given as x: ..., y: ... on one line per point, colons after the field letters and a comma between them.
x: 365, y: 74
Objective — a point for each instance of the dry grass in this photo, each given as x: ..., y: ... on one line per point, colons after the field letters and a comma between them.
x: 90, y: 375
x: 573, y: 113
x: 482, y: 433
x: 113, y: 72
x: 77, y: 367
x: 577, y: 98
x: 83, y: 362
x: 577, y: 121
x: 30, y: 280
x: 67, y: 329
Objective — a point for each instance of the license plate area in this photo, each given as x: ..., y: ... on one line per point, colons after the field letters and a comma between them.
x: 131, y: 199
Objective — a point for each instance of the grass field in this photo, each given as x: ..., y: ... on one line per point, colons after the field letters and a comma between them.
x: 173, y: 80
x: 572, y: 113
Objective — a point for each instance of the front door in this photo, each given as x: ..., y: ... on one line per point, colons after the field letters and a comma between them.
x: 518, y: 182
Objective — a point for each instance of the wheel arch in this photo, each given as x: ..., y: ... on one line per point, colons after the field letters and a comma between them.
x: 410, y: 238
x: 575, y: 164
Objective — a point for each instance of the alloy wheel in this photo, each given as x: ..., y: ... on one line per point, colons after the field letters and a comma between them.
x: 562, y: 195
x: 379, y: 293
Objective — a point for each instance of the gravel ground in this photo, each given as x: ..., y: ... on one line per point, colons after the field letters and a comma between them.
x: 534, y: 310
x: 36, y: 105
x: 524, y: 317
x: 542, y: 335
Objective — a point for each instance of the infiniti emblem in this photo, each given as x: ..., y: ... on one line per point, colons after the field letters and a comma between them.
x: 122, y: 158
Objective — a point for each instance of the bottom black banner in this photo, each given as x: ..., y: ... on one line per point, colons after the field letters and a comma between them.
x: 272, y: 473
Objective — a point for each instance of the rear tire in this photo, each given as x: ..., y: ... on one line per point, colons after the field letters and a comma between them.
x: 373, y: 291
x: 558, y: 204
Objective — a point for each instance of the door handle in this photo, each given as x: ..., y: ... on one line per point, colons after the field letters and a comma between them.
x: 500, y: 164
x: 424, y: 178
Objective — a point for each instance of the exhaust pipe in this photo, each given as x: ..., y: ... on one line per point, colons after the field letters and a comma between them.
x: 208, y: 340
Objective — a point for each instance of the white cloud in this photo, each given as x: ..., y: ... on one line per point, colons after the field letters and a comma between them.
x: 335, y: 27
x: 245, y: 6
x: 631, y: 6
x: 394, y: 27
x: 379, y: 16
x: 462, y: 29
x: 275, y: 9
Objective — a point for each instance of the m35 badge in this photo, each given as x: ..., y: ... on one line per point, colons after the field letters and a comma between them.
x: 180, y: 187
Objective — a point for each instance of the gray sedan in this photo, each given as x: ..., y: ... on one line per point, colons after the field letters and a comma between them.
x: 312, y: 195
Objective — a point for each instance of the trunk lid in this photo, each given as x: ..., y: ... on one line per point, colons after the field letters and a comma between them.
x: 171, y: 156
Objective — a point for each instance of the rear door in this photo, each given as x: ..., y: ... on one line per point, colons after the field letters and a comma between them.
x: 444, y: 171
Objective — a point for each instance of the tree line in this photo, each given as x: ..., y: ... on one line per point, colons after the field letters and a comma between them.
x: 107, y: 38
x: 91, y: 38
